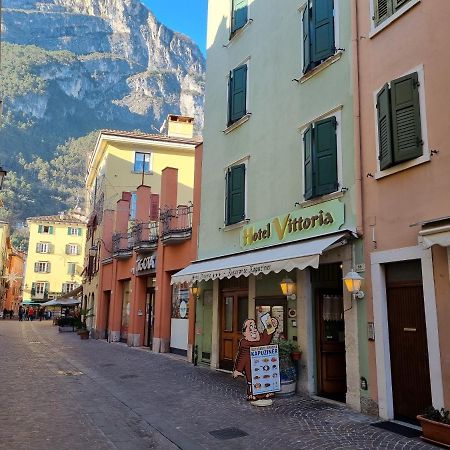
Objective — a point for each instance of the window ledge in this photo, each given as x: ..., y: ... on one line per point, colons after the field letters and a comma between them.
x: 321, y: 66
x: 237, y: 124
x: 392, y: 18
x: 234, y: 36
x: 236, y: 225
x: 402, y: 166
x: 140, y: 173
x: 321, y: 199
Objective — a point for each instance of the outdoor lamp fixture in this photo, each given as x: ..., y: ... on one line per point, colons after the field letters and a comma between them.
x: 3, y: 173
x: 93, y: 251
x: 288, y: 288
x: 353, y: 284
x: 195, y: 290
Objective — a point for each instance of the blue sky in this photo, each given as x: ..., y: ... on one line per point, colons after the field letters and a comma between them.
x: 186, y: 16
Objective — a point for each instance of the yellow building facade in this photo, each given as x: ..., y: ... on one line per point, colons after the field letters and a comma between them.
x: 55, y: 256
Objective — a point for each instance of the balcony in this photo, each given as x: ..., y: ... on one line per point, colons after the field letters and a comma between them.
x: 176, y: 225
x: 145, y: 237
x: 122, y: 245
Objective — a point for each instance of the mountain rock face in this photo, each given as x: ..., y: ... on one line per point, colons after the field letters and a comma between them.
x: 73, y: 66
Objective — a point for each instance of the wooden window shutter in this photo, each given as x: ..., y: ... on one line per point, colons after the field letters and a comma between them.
x: 68, y: 231
x: 80, y: 231
x: 239, y: 14
x: 40, y: 228
x: 36, y: 267
x: 406, y: 128
x: 325, y: 152
x: 49, y: 267
x: 67, y: 249
x: 238, y: 93
x: 398, y: 4
x: 38, y: 247
x: 306, y: 39
x: 154, y: 207
x: 383, y: 9
x: 50, y: 229
x: 308, y: 163
x: 385, y: 151
x: 322, y: 30
x: 236, y: 194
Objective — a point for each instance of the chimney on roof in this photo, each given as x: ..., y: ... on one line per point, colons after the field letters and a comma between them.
x: 178, y: 126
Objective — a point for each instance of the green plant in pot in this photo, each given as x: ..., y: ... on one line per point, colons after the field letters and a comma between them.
x: 436, y: 426
x: 83, y: 332
x: 288, y: 372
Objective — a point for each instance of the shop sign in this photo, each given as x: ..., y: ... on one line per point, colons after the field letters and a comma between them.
x: 146, y: 265
x: 265, y: 364
x: 294, y: 226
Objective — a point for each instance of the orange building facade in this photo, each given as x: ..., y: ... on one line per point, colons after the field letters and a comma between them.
x: 404, y: 107
x: 16, y: 268
x: 136, y: 302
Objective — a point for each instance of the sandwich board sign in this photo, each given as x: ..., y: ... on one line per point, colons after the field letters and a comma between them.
x: 265, y: 365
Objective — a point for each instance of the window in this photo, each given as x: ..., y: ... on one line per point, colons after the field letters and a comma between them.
x: 72, y: 249
x: 320, y: 158
x: 399, y: 122
x: 43, y: 247
x: 142, y: 162
x: 383, y: 9
x: 39, y: 288
x: 71, y: 268
x: 237, y: 94
x: 133, y: 206
x: 318, y: 33
x: 235, y: 194
x: 42, y: 267
x: 45, y: 229
x: 239, y: 15
x: 180, y: 301
x: 72, y: 231
x: 67, y: 287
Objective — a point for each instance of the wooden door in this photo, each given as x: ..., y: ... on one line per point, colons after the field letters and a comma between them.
x: 331, y: 366
x: 234, y: 312
x: 410, y: 371
x: 107, y: 298
x: 149, y: 311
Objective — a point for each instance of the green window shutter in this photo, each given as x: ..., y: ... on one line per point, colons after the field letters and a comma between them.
x: 38, y: 248
x: 67, y: 249
x: 383, y: 9
x: 308, y: 163
x: 306, y: 40
x: 50, y: 229
x: 236, y: 194
x: 238, y: 94
x: 80, y: 232
x: 239, y: 14
x: 49, y: 267
x: 384, y: 119
x: 322, y: 30
x: 36, y: 267
x: 40, y: 228
x: 325, y: 150
x: 406, y: 129
x: 398, y: 4
x: 68, y: 231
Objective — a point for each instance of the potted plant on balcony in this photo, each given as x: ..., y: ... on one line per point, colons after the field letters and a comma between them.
x: 288, y: 372
x: 435, y: 425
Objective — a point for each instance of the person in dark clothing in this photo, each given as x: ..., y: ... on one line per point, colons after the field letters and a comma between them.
x: 20, y: 313
x: 5, y: 312
x: 11, y: 313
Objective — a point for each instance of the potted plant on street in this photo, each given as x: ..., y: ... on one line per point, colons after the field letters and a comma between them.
x: 83, y: 332
x: 288, y: 372
x: 436, y: 426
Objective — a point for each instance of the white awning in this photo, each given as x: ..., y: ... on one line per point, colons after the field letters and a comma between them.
x: 298, y: 255
x: 430, y: 239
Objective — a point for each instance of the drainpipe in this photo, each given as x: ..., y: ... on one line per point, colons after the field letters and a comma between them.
x: 356, y: 120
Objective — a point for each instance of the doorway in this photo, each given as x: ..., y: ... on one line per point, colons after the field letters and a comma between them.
x: 330, y: 341
x: 149, y: 313
x: 125, y: 311
x: 408, y: 345
x: 107, y: 297
x: 233, y: 313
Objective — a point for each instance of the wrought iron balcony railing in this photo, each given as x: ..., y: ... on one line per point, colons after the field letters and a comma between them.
x: 145, y: 236
x: 122, y: 244
x: 176, y: 224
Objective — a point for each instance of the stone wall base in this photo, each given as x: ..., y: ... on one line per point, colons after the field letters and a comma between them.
x: 161, y: 345
x: 369, y: 406
x: 134, y: 340
x: 114, y: 336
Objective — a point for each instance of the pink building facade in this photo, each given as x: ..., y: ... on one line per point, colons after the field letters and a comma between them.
x: 404, y: 136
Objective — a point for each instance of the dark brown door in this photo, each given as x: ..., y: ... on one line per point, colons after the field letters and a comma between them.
x: 234, y: 312
x: 149, y: 311
x: 408, y: 348
x: 107, y: 298
x: 332, y: 377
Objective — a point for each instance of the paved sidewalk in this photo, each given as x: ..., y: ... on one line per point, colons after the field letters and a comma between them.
x: 58, y: 392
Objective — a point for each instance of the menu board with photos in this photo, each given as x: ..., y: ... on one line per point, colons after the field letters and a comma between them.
x: 265, y: 364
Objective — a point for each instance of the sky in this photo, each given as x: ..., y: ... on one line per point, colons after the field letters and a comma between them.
x: 186, y: 16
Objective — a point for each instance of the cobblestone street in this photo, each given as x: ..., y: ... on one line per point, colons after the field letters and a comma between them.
x: 58, y: 392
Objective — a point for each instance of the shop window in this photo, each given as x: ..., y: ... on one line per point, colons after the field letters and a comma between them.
x: 320, y: 158
x: 142, y: 162
x: 383, y: 9
x: 318, y: 33
x: 239, y: 15
x: 278, y: 310
x: 237, y: 94
x: 399, y: 122
x: 180, y: 301
x: 235, y: 194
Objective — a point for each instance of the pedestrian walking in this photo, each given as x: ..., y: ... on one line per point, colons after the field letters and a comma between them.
x: 5, y: 311
x: 20, y: 313
x: 27, y: 311
x: 11, y: 314
x: 31, y: 314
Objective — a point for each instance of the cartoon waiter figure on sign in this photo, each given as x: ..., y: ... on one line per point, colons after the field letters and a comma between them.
x: 253, y: 338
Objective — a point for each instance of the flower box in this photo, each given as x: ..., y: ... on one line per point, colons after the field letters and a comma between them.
x: 435, y: 432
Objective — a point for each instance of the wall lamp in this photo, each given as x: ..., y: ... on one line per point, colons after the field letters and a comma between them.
x: 195, y: 290
x: 288, y: 288
x: 353, y: 283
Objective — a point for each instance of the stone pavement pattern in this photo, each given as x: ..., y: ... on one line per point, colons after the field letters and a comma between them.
x: 58, y: 392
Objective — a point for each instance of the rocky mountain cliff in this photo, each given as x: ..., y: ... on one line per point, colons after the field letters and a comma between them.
x: 72, y: 66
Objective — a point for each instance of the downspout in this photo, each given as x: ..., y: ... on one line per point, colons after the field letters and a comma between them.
x: 356, y: 120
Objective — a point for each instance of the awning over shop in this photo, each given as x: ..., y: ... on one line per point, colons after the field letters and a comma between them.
x: 64, y: 302
x: 274, y: 259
